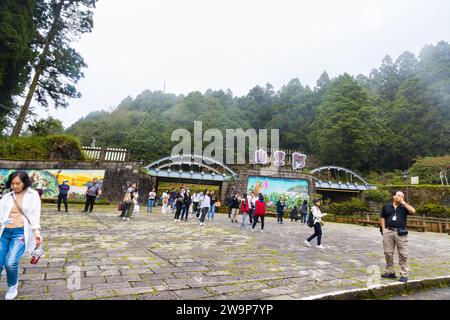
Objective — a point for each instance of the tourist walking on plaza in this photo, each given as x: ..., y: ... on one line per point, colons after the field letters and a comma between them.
x: 316, y: 217
x: 20, y: 212
x: 179, y: 201
x: 280, y: 210
x: 196, y: 203
x: 235, y: 206
x: 63, y: 192
x: 217, y: 205
x: 165, y: 202
x: 129, y: 201
x: 151, y: 200
x: 245, y: 209
x: 304, y: 211
x: 252, y: 200
x: 260, y: 212
x: 173, y: 200
x: 229, y: 202
x: 93, y: 190
x: 294, y: 214
x: 186, y: 205
x: 205, y: 207
x: 393, y: 221
x: 212, y: 209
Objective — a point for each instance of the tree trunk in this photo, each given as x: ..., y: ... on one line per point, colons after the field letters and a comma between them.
x: 39, y: 70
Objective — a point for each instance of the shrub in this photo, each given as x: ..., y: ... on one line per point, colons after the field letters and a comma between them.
x: 378, y: 196
x: 53, y: 147
x: 433, y: 210
x: 428, y: 169
x: 354, y: 206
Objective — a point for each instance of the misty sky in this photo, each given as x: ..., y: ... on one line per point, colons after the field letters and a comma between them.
x: 237, y: 44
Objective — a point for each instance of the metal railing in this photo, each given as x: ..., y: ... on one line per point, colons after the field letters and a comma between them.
x: 107, y: 154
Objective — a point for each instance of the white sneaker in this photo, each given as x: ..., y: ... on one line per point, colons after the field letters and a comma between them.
x: 128, y: 219
x: 11, y: 293
x: 174, y: 220
x: 262, y: 230
x: 123, y: 219
x: 307, y: 244
x: 321, y: 247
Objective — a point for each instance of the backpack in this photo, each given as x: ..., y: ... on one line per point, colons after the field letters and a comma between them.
x: 310, y: 220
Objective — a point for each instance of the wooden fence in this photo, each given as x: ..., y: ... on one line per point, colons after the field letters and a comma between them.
x: 107, y: 154
x: 418, y: 223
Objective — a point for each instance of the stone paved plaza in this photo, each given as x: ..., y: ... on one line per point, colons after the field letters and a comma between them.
x: 151, y: 257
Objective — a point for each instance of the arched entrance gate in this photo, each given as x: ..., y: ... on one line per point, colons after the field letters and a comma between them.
x: 190, y: 169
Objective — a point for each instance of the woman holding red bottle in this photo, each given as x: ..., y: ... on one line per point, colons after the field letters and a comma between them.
x: 20, y: 212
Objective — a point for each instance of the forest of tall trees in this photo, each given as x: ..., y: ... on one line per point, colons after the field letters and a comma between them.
x: 383, y: 121
x: 377, y: 122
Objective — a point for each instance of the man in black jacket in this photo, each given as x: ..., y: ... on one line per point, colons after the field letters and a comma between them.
x: 179, y: 201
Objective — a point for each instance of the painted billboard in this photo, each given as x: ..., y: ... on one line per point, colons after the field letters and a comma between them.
x: 49, y: 180
x: 292, y: 190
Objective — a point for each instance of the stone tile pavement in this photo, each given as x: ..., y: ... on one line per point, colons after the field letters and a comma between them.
x: 98, y: 256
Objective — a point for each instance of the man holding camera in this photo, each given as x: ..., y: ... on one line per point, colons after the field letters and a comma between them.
x: 393, y: 221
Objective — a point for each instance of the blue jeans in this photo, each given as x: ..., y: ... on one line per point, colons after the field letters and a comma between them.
x: 12, y: 247
x: 244, y: 216
x: 212, y: 211
x: 185, y: 212
x: 150, y: 205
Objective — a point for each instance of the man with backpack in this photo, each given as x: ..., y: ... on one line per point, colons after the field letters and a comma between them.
x: 314, y: 220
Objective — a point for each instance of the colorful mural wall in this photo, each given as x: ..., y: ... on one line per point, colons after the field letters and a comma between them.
x: 292, y: 190
x: 163, y: 186
x: 49, y: 180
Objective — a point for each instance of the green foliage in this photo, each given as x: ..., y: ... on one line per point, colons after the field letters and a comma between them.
x: 433, y: 210
x: 378, y: 196
x: 343, y: 130
x: 386, y: 178
x: 53, y: 147
x: 44, y: 127
x: 354, y: 206
x: 372, y: 124
x: 63, y: 65
x: 429, y: 168
x: 17, y: 30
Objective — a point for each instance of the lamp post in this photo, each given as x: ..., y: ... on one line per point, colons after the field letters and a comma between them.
x: 405, y: 176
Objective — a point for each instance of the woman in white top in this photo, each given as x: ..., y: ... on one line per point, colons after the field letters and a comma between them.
x: 20, y: 213
x: 205, y: 205
x: 165, y: 201
x: 318, y: 215
x: 151, y: 200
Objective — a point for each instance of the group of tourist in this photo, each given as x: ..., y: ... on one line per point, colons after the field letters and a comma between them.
x: 183, y: 204
x: 20, y: 229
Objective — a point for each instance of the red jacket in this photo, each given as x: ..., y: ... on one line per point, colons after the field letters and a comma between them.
x: 260, y: 208
x: 245, y: 206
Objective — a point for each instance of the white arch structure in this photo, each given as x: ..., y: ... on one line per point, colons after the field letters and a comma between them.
x: 200, y: 168
x: 350, y: 186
